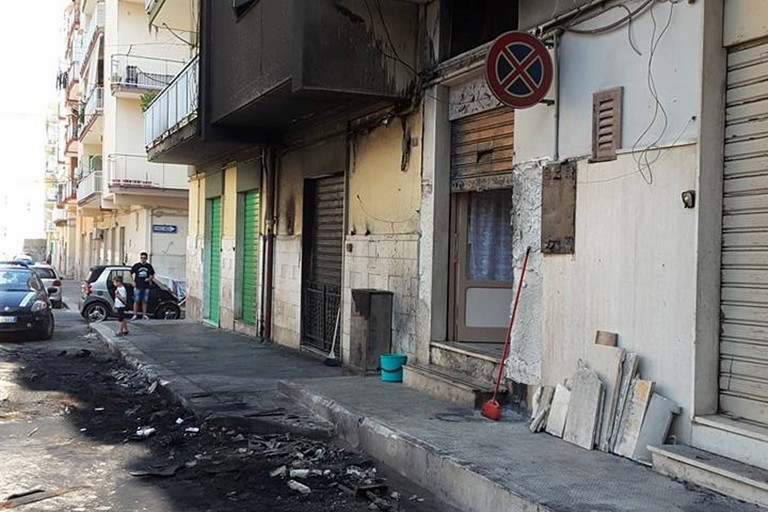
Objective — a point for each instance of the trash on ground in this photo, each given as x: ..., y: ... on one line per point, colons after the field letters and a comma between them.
x: 297, y: 486
x: 161, y: 471
x: 145, y: 431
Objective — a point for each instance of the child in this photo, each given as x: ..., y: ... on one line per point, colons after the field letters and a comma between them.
x: 121, y: 301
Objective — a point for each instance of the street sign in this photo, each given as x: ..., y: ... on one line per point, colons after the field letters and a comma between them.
x: 164, y: 228
x: 518, y: 69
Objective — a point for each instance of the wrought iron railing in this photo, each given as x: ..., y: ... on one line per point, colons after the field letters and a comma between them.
x: 320, y: 307
x: 174, y: 106
x: 143, y: 73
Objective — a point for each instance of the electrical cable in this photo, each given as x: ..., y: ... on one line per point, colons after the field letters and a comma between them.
x: 644, y: 163
x: 611, y: 26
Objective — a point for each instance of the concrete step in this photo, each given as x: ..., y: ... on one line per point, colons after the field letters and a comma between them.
x: 450, y: 385
x: 461, y: 357
x: 726, y: 476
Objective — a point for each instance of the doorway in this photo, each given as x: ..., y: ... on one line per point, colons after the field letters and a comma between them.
x: 323, y: 238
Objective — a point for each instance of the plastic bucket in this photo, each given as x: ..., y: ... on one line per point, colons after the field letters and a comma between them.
x: 392, y: 367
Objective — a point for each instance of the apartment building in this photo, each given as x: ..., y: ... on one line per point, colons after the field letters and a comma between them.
x: 123, y: 204
x: 343, y: 146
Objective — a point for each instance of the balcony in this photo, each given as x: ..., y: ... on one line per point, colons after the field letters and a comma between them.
x: 67, y: 192
x: 59, y: 216
x: 271, y: 68
x: 135, y: 174
x: 133, y: 76
x: 93, y: 32
x: 72, y: 21
x: 72, y: 136
x: 89, y: 190
x: 170, y: 122
x: 92, y: 118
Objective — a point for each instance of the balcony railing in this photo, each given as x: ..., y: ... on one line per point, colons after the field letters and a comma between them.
x: 143, y: 73
x: 94, y: 104
x: 134, y: 171
x: 67, y: 192
x: 174, y: 106
x: 95, y: 28
x: 89, y: 186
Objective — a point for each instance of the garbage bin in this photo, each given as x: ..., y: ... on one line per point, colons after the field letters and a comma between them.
x: 370, y: 329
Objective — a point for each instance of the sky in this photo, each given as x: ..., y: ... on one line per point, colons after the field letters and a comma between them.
x: 30, y: 46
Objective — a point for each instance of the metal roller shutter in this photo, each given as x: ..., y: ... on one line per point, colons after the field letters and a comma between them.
x: 744, y: 292
x: 250, y: 254
x: 329, y: 231
x: 214, y: 262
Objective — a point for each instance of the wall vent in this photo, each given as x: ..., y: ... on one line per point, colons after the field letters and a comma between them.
x: 606, y: 124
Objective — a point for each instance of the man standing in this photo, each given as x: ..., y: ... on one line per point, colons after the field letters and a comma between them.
x: 142, y: 274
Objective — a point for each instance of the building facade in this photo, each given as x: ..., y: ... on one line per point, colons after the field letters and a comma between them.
x: 122, y: 204
x: 376, y: 158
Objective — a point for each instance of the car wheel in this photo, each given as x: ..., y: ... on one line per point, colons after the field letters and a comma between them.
x: 96, y: 312
x: 168, y: 312
x: 46, y: 333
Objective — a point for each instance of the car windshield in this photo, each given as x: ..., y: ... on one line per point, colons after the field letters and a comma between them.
x: 45, y: 273
x: 19, y: 280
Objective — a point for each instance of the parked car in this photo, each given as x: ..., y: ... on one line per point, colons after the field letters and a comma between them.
x: 24, y: 303
x: 98, y: 292
x: 51, y: 279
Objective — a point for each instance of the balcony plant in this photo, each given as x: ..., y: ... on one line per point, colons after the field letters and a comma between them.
x: 146, y: 99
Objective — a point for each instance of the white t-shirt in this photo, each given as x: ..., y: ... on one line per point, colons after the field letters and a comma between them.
x: 121, y: 295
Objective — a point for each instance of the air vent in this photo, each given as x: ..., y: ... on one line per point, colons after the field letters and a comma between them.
x: 606, y: 124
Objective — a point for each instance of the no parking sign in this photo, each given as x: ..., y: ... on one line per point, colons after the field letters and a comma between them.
x: 518, y: 69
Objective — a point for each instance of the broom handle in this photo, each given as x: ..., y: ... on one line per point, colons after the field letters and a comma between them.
x: 511, y: 323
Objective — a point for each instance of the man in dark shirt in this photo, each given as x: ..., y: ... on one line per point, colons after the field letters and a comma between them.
x: 142, y: 274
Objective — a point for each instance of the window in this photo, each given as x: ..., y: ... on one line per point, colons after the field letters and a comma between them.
x: 241, y: 6
x: 471, y: 23
x: 606, y: 124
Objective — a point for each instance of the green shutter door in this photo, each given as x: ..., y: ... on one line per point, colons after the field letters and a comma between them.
x: 250, y: 254
x: 214, y: 262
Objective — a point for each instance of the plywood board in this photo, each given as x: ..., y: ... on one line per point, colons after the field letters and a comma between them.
x: 632, y: 419
x: 607, y: 362
x: 558, y: 412
x: 658, y: 418
x: 628, y: 371
x: 584, y: 409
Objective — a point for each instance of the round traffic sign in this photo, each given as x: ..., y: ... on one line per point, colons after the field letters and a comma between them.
x: 518, y: 69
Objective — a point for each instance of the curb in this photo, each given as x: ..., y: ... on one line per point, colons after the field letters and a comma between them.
x: 448, y: 478
x: 136, y: 359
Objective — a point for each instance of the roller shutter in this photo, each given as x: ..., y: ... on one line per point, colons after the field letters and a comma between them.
x: 744, y: 292
x: 213, y: 280
x: 250, y: 254
x: 483, y: 150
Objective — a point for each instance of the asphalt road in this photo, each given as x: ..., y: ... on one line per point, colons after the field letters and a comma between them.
x: 70, y: 421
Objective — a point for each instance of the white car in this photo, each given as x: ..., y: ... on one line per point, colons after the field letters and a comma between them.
x: 51, y: 279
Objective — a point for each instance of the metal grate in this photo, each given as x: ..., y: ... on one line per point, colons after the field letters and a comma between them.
x: 321, y: 305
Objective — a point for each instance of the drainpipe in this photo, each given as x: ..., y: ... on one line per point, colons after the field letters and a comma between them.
x: 557, y: 95
x: 268, y: 158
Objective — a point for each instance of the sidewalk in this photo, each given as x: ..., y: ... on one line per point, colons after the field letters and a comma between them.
x: 464, y: 459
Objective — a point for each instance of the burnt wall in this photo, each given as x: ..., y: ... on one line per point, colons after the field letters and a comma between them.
x: 249, y: 56
x: 349, y: 46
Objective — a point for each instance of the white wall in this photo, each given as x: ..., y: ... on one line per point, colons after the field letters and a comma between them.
x: 590, y: 63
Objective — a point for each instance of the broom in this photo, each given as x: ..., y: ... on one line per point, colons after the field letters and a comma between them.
x: 331, y: 359
x: 492, y: 409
